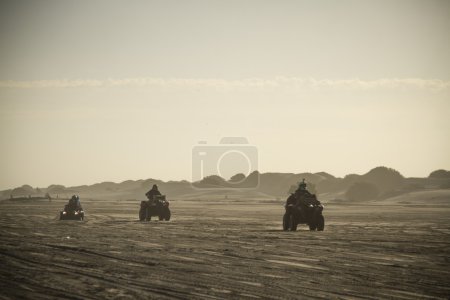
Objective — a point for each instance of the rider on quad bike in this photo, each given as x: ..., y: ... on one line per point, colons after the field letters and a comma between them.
x: 153, y: 192
x: 72, y: 210
x: 157, y: 205
x: 302, y: 207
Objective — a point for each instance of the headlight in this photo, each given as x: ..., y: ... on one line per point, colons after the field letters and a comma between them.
x: 76, y: 213
x: 311, y: 205
x: 64, y: 212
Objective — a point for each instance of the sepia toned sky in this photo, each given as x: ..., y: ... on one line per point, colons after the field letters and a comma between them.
x: 94, y: 91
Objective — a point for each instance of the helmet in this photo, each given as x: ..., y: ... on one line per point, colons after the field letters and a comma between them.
x: 302, y: 185
x: 155, y: 187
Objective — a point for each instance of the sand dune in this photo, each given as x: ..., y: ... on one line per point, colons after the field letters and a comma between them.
x: 427, y: 197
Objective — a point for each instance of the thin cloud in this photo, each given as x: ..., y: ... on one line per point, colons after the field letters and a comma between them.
x: 278, y: 83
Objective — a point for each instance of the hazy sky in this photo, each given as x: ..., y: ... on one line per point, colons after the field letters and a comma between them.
x: 95, y: 91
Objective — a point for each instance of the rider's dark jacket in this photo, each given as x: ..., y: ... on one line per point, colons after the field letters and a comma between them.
x: 151, y: 193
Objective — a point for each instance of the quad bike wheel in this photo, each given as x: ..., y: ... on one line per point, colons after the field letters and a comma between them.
x: 312, y: 226
x: 289, y: 222
x: 286, y: 222
x: 164, y: 215
x: 320, y: 223
x: 142, y: 214
x: 293, y: 223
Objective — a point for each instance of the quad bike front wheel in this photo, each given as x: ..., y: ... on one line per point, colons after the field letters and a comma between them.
x: 164, y: 215
x: 312, y: 226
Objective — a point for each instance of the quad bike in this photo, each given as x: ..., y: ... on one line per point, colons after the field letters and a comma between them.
x: 71, y: 213
x: 157, y: 206
x: 303, y: 209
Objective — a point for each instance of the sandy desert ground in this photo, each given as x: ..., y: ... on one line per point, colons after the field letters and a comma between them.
x: 396, y: 249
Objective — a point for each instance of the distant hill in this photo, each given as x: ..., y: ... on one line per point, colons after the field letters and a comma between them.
x: 440, y: 174
x: 23, y: 191
x: 378, y: 183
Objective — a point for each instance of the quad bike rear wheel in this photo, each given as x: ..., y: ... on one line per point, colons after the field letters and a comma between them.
x: 168, y: 214
x: 142, y: 213
x: 293, y: 223
x: 320, y: 223
x: 286, y: 222
x: 289, y: 222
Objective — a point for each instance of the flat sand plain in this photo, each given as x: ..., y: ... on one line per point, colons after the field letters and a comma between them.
x: 395, y: 249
